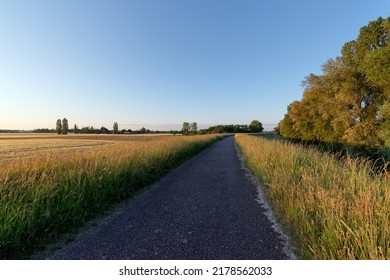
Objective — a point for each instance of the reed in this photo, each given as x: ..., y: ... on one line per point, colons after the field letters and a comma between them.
x: 333, y: 208
x: 52, y: 190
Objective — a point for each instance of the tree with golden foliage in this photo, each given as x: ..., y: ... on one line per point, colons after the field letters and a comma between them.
x: 349, y: 102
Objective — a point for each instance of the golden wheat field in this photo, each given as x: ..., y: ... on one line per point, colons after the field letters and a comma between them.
x: 23, y: 147
x: 49, y: 183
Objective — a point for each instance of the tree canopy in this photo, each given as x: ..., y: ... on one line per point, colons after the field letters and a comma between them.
x: 115, y: 128
x: 58, y: 126
x: 255, y: 126
x: 349, y: 102
x: 65, y: 126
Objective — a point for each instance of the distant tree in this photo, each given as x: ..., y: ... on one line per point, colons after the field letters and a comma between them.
x: 85, y: 129
x: 241, y: 128
x: 58, y: 126
x: 104, y: 130
x: 41, y: 130
x: 229, y: 128
x: 65, y: 126
x: 115, y: 128
x: 194, y: 127
x: 217, y: 129
x: 238, y: 128
x: 186, y: 128
x: 76, y: 129
x: 142, y: 130
x: 255, y: 126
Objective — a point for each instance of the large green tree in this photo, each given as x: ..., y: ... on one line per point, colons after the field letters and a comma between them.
x: 349, y: 102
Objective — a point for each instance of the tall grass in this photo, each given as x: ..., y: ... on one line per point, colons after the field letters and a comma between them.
x: 43, y: 195
x: 334, y: 209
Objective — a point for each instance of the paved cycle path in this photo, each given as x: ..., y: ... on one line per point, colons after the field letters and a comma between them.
x: 205, y: 209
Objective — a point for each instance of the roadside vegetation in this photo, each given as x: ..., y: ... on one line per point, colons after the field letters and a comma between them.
x: 333, y: 208
x: 51, y: 185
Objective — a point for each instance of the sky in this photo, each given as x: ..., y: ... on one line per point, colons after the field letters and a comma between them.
x: 159, y: 63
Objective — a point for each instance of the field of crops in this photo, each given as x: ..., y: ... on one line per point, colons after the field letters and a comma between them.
x: 50, y: 183
x: 334, y: 208
x: 16, y: 149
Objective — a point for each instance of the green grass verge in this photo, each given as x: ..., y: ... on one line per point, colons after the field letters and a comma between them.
x: 334, y: 209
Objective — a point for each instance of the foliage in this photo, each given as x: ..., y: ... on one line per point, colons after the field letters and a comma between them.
x: 348, y: 103
x: 76, y: 129
x: 59, y: 126
x: 62, y: 127
x: 186, y: 128
x: 189, y: 128
x: 237, y: 128
x: 115, y: 128
x: 194, y: 128
x: 42, y: 130
x: 105, y: 130
x: 255, y: 126
x: 65, y: 126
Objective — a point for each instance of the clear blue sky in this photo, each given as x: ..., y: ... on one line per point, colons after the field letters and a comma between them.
x: 157, y: 63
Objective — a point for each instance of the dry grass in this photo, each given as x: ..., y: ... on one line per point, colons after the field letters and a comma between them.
x: 50, y: 184
x: 334, y: 209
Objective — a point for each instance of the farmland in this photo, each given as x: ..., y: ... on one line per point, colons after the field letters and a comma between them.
x: 14, y: 149
x: 51, y: 183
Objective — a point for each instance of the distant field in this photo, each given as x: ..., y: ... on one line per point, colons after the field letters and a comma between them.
x: 21, y: 146
x: 51, y: 183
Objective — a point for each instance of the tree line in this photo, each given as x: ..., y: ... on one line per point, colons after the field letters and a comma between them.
x: 192, y: 128
x: 62, y: 127
x: 350, y: 101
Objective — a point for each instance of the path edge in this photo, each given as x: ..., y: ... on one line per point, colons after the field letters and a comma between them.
x: 262, y: 199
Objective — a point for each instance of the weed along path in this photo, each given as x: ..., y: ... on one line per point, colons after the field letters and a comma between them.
x: 208, y: 208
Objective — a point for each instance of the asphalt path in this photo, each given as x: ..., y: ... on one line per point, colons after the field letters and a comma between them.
x: 208, y: 208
